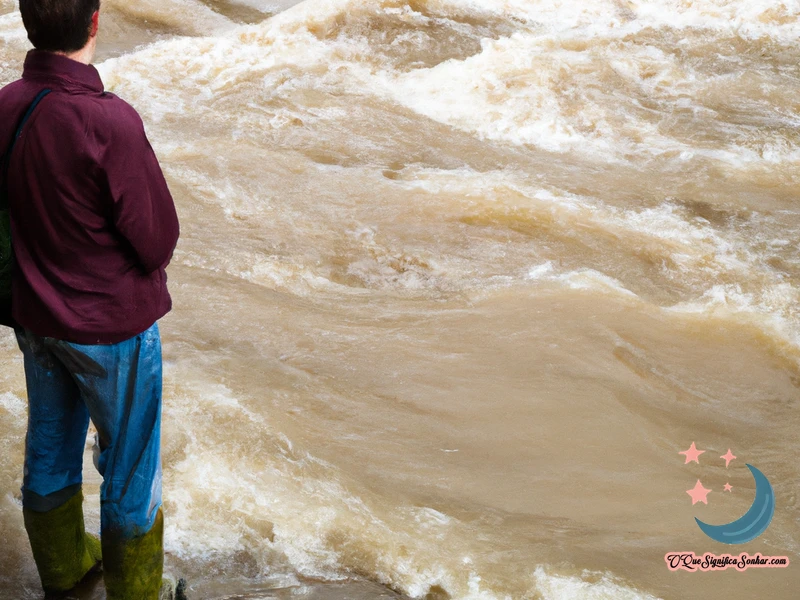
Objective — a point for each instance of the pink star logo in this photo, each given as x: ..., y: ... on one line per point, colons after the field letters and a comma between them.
x: 698, y: 493
x: 692, y: 454
x: 728, y: 487
x: 728, y: 457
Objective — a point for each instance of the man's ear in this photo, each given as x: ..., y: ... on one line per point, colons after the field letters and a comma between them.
x: 95, y: 23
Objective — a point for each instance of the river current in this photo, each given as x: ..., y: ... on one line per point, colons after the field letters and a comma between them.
x: 458, y: 280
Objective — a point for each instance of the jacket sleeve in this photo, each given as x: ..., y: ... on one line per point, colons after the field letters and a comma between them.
x: 143, y: 210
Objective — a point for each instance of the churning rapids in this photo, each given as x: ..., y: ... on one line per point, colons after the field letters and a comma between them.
x: 458, y: 280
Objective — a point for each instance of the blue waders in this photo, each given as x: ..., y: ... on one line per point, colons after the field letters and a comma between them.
x: 119, y: 387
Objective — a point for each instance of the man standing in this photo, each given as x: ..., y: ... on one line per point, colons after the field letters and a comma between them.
x: 93, y: 227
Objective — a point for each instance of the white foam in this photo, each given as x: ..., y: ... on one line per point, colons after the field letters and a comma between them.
x: 591, y: 279
x: 15, y: 405
x: 11, y: 29
x: 696, y: 250
x: 581, y: 279
x: 292, y: 513
x: 277, y: 273
x: 692, y: 244
x: 602, y: 587
x: 173, y: 13
x: 772, y: 309
x: 540, y: 271
x: 268, y: 6
x: 511, y: 91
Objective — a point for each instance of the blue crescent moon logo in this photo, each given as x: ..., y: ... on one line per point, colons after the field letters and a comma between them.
x: 754, y: 522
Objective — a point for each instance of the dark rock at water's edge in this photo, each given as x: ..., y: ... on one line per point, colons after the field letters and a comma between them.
x: 325, y: 591
x: 92, y: 589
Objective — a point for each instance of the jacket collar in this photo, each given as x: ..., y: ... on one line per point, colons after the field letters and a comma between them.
x: 49, y: 66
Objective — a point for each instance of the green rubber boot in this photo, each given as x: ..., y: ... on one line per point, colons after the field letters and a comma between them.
x: 133, y: 568
x: 63, y: 551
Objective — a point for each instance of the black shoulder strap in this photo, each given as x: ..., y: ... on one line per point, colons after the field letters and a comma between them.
x: 17, y: 134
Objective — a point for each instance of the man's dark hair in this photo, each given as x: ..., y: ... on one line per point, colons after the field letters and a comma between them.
x: 58, y: 25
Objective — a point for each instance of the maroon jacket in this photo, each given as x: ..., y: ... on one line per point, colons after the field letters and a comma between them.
x: 93, y: 223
